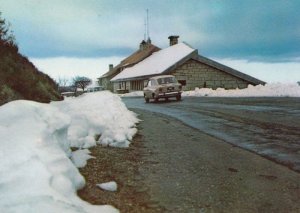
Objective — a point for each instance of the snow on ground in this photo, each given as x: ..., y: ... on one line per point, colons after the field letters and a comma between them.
x: 133, y: 94
x: 37, y: 167
x: 99, y: 113
x: 108, y: 186
x: 80, y: 157
x: 37, y: 173
x: 269, y: 90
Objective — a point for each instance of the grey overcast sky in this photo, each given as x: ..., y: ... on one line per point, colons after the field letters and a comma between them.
x: 59, y: 32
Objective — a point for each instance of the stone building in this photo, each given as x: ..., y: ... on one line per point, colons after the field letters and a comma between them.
x: 191, y: 70
x: 145, y: 50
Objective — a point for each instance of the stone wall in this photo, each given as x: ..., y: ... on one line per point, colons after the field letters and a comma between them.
x: 105, y: 83
x: 196, y: 74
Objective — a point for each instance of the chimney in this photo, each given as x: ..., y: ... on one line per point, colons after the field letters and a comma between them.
x: 173, y: 39
x: 143, y: 45
x: 111, y: 66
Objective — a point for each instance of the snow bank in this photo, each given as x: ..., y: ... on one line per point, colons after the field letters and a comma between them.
x: 80, y: 157
x: 133, y: 94
x: 37, y: 174
x: 269, y: 90
x: 99, y: 113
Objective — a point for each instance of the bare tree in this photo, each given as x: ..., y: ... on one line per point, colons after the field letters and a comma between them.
x: 7, y: 38
x: 81, y: 82
x: 63, y: 81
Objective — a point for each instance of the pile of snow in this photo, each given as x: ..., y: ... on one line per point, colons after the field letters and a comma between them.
x: 108, y: 186
x: 269, y: 90
x: 133, y: 94
x: 100, y: 113
x: 37, y: 174
x: 80, y: 157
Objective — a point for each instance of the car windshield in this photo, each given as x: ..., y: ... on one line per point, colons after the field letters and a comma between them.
x: 166, y: 80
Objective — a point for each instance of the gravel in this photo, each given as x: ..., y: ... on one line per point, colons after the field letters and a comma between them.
x: 171, y: 167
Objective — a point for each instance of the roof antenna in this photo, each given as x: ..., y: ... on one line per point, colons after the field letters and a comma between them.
x: 147, y: 25
x: 145, y: 32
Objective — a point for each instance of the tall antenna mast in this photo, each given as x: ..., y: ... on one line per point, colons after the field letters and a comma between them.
x: 148, y: 36
x: 145, y: 32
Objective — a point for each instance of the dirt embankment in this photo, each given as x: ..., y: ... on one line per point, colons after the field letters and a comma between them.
x: 120, y: 165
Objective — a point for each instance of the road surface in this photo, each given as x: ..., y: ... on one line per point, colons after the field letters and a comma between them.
x: 187, y: 158
x: 186, y: 170
x: 267, y: 126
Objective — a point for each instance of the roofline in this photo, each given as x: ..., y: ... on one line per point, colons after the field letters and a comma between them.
x: 165, y: 72
x: 229, y: 70
x: 110, y: 73
x: 195, y: 56
x: 143, y: 77
x: 180, y: 62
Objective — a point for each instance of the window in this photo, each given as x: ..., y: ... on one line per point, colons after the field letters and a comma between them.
x: 153, y: 82
x: 166, y: 80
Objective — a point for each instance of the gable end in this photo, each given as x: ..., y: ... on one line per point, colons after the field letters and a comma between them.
x: 197, y: 74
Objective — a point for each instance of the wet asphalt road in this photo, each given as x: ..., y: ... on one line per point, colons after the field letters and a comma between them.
x: 267, y: 126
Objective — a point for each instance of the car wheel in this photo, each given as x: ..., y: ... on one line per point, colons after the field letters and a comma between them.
x: 146, y: 98
x: 178, y: 97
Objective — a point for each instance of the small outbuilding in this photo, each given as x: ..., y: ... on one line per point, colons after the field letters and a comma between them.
x: 183, y: 61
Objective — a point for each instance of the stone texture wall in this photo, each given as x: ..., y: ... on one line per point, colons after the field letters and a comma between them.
x: 105, y: 82
x: 200, y: 75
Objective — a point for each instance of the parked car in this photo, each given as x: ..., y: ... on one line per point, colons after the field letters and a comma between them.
x: 164, y: 86
x: 94, y: 89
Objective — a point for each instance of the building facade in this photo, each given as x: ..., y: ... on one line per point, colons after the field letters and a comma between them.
x: 191, y: 70
x: 194, y: 74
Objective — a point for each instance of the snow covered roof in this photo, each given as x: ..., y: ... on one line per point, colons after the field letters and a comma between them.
x: 134, y: 58
x: 157, y: 63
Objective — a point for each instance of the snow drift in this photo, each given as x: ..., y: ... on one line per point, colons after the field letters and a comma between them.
x: 269, y: 90
x: 99, y: 113
x: 37, y: 174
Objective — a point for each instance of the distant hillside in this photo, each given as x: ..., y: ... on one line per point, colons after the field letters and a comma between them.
x: 19, y: 78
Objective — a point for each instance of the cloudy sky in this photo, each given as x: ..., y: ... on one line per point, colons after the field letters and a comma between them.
x: 81, y: 37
